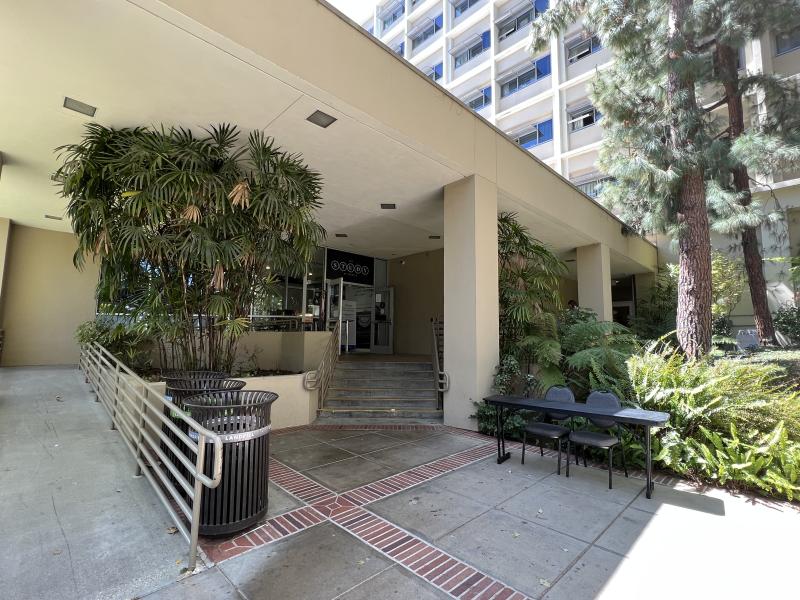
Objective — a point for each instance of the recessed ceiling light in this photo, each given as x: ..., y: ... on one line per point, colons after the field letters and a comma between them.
x: 434, y: 237
x: 55, y: 218
x: 320, y: 118
x: 79, y: 107
x: 340, y: 235
x: 388, y: 205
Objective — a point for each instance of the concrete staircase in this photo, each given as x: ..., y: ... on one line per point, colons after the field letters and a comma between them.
x: 382, y: 387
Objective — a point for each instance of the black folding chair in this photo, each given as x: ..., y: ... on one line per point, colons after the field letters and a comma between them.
x: 541, y: 431
x: 594, y: 439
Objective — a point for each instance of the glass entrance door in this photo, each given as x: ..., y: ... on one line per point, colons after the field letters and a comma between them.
x: 383, y: 330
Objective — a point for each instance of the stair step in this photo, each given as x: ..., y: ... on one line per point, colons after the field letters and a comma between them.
x: 359, y: 365
x: 383, y: 403
x: 334, y: 392
x: 417, y: 383
x: 359, y: 413
x: 381, y: 373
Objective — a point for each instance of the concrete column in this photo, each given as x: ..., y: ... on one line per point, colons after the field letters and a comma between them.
x: 5, y: 231
x: 471, y: 304
x: 594, y: 280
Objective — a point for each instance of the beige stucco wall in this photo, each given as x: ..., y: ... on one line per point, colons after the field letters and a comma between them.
x: 418, y: 282
x: 297, y: 351
x: 568, y: 290
x: 5, y: 230
x: 44, y: 298
x: 294, y: 406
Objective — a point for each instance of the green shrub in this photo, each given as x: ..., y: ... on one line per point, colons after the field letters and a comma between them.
x: 123, y: 341
x: 710, y: 403
x: 787, y: 321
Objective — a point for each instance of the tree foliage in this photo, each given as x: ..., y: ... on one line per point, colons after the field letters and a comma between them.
x: 188, y: 228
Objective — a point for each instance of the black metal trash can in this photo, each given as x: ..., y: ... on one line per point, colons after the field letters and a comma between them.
x: 242, y: 420
x: 177, y: 391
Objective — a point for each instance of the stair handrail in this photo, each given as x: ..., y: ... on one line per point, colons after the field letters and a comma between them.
x: 320, y: 379
x: 442, y: 376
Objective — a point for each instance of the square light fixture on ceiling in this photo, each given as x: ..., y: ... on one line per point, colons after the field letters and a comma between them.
x: 388, y: 205
x: 79, y: 107
x: 434, y: 237
x: 342, y: 235
x: 320, y: 118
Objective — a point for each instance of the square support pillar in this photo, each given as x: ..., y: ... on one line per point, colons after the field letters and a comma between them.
x: 594, y: 280
x: 471, y: 297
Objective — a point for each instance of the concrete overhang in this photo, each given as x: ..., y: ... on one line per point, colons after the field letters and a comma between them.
x: 268, y: 65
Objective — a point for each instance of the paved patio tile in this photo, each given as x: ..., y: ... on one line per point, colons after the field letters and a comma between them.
x: 332, y: 435
x: 308, y: 457
x: 665, y: 497
x: 625, y: 531
x: 429, y: 510
x: 280, y: 502
x: 208, y: 585
x: 412, y: 436
x: 398, y: 583
x: 363, y: 444
x: 568, y: 511
x: 451, y: 443
x: 408, y: 455
x: 319, y: 563
x: 295, y: 439
x: 485, y: 482
x: 350, y: 473
x: 592, y: 572
x: 594, y: 482
x: 518, y: 552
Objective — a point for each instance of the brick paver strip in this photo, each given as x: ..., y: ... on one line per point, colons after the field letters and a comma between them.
x: 440, y: 569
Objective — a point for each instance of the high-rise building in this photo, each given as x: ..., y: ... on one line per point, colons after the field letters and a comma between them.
x: 477, y: 50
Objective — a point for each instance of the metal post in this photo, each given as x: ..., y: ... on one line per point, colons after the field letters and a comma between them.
x: 140, y: 436
x: 649, y: 478
x: 116, y: 397
x: 197, y: 500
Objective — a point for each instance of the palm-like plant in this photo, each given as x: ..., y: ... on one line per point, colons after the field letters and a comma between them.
x: 188, y: 229
x: 529, y: 276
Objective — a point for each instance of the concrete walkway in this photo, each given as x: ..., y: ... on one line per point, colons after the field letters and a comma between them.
x: 74, y: 522
x: 462, y: 526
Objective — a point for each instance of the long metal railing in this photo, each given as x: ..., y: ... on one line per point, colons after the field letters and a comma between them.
x: 437, y: 349
x: 147, y: 423
x: 321, y: 378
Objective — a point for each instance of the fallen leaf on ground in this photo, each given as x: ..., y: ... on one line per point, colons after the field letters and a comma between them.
x: 544, y: 582
x: 172, y: 530
x: 57, y: 551
x: 515, y: 534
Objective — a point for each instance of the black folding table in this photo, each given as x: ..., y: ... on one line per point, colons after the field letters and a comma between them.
x: 505, y: 405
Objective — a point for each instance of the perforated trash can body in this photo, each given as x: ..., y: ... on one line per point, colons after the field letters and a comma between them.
x: 242, y: 420
x: 178, y: 390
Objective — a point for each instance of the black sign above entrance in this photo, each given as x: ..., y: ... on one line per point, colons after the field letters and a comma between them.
x: 353, y: 268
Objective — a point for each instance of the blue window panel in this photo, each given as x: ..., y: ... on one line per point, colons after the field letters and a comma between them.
x: 541, y: 5
x: 438, y: 21
x: 438, y: 70
x: 543, y: 66
x: 487, y: 93
x: 486, y: 39
x: 545, y: 131
x: 401, y: 48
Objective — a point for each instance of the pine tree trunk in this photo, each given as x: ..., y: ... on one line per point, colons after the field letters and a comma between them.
x: 726, y: 63
x: 694, y: 238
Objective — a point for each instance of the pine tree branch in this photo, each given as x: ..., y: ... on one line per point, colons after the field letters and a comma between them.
x: 712, y: 107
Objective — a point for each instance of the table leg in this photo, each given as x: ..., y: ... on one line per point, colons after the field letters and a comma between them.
x: 649, y: 463
x: 502, y: 455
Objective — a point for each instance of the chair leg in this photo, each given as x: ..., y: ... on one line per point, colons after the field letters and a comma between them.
x: 558, y: 468
x: 524, y: 440
x: 584, y: 456
x: 624, y: 466
x: 569, y: 444
x: 610, y: 462
x: 541, y: 450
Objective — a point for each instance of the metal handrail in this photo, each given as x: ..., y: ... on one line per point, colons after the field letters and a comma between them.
x: 321, y: 378
x: 140, y: 412
x: 442, y: 376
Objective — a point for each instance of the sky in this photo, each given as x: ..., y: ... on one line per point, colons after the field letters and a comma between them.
x: 358, y: 10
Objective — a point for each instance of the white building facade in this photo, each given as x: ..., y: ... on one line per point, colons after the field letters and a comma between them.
x: 477, y: 50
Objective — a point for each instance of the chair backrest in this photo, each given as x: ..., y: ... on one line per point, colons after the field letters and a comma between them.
x: 559, y: 393
x: 603, y: 399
